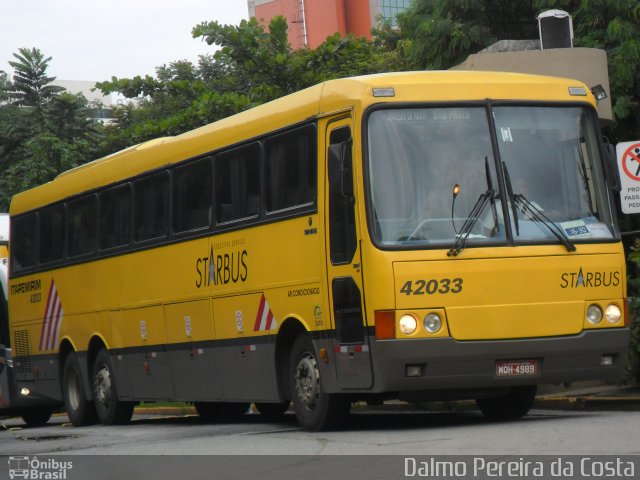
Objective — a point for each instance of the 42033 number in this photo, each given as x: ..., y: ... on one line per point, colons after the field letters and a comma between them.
x: 433, y: 286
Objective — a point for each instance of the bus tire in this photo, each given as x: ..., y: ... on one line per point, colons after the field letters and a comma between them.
x: 515, y: 404
x: 273, y: 410
x: 36, y: 416
x: 79, y: 409
x: 110, y: 410
x: 315, y: 409
x: 211, y: 411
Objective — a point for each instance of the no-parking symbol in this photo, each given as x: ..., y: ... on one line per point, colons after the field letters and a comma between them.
x: 628, y: 154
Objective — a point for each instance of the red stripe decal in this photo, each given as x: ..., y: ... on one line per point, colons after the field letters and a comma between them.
x: 47, y: 315
x: 256, y: 325
x: 269, y: 320
x: 56, y: 324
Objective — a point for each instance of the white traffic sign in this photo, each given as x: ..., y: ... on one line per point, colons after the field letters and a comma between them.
x: 628, y: 154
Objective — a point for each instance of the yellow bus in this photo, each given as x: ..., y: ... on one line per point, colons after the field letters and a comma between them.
x: 420, y: 235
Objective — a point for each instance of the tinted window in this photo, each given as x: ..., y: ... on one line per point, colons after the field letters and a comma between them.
x: 52, y: 234
x: 343, y: 240
x: 151, y: 206
x: 115, y: 217
x: 291, y: 169
x: 23, y: 241
x: 237, y: 177
x: 81, y: 226
x: 192, y: 196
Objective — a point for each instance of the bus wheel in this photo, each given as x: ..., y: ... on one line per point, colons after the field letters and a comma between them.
x: 210, y: 411
x: 110, y: 410
x: 515, y: 404
x: 80, y: 411
x: 315, y: 410
x: 36, y: 416
x: 273, y: 410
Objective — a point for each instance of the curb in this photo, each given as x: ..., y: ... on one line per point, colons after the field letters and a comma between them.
x: 629, y: 403
x: 169, y: 411
x: 578, y: 403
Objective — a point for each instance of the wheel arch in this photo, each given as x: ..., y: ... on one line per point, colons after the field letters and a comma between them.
x: 291, y: 328
x: 66, y: 347
x: 96, y: 344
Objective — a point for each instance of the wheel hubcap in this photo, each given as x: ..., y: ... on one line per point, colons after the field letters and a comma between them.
x: 102, y: 387
x: 307, y: 380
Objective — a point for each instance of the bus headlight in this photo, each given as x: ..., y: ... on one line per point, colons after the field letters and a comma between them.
x: 613, y: 313
x: 432, y: 322
x: 594, y: 314
x: 407, y: 324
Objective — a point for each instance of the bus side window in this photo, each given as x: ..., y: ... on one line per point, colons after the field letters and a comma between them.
x: 237, y: 183
x: 151, y: 206
x: 23, y: 242
x: 82, y: 226
x: 52, y: 234
x: 291, y: 169
x: 192, y: 187
x: 115, y: 217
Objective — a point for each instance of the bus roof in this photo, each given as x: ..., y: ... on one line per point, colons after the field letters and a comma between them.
x: 323, y: 99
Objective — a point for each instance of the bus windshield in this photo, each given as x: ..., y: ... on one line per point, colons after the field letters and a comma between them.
x: 434, y: 177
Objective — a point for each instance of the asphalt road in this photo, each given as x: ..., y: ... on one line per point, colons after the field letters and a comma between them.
x: 386, y: 438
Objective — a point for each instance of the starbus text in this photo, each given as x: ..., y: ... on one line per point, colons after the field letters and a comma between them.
x: 222, y: 269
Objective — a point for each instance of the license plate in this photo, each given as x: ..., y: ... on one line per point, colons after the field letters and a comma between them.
x: 516, y: 368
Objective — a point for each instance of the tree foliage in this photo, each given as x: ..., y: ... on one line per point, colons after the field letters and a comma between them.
x: 31, y: 85
x: 251, y: 66
x: 43, y: 129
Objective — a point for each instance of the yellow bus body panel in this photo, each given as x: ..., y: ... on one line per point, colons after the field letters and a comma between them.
x: 517, y: 297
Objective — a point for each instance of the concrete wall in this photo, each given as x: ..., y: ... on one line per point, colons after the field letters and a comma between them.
x: 588, y: 65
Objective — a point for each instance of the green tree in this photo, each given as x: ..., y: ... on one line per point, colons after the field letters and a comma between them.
x: 252, y: 66
x: 31, y: 86
x: 5, y: 87
x: 43, y: 130
x: 44, y: 156
x: 68, y: 117
x: 438, y: 34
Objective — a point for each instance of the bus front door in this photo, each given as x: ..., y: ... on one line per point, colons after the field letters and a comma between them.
x: 351, y: 344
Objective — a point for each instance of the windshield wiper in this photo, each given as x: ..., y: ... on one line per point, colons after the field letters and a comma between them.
x: 474, y: 214
x: 582, y: 164
x: 535, y: 213
x: 492, y: 198
x: 514, y: 210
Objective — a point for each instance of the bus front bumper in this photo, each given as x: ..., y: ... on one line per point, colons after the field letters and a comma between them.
x: 445, y: 363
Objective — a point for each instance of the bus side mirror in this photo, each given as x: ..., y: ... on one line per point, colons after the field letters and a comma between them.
x: 611, y: 164
x: 340, y: 171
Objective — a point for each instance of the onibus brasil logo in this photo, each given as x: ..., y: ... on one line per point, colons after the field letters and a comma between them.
x: 35, y: 469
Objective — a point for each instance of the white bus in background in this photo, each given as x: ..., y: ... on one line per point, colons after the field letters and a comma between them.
x: 4, y: 315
